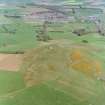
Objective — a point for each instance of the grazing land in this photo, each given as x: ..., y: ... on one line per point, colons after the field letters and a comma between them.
x: 52, y: 52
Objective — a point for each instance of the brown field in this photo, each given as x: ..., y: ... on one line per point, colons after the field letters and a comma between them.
x: 10, y: 62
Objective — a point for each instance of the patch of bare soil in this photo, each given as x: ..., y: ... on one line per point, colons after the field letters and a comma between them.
x: 10, y: 62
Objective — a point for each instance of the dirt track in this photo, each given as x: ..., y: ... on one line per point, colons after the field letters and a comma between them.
x: 10, y: 62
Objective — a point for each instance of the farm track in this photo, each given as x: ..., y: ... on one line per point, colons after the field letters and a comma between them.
x: 12, y: 94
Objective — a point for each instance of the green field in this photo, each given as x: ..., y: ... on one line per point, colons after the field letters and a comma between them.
x: 82, y: 91
x: 61, y: 84
x: 24, y: 36
x: 10, y: 82
x: 76, y: 88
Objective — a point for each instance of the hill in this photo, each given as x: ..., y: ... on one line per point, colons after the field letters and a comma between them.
x: 62, y: 73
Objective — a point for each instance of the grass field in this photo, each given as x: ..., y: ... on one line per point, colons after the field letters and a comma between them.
x: 68, y: 70
x: 22, y: 39
x: 10, y: 81
x: 84, y: 91
x: 25, y: 34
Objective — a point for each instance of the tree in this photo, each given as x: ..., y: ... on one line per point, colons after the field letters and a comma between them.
x: 43, y: 33
x: 100, y: 28
x: 79, y: 32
